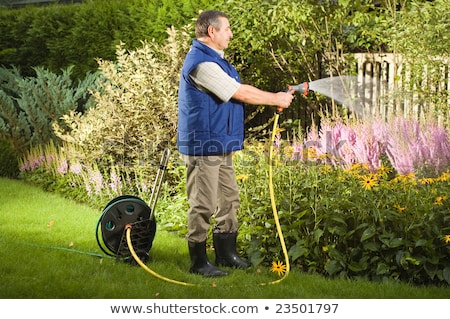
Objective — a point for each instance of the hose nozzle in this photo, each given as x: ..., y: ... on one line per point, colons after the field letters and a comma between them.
x: 302, y: 88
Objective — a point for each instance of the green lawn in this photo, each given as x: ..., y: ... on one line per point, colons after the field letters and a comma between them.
x: 48, y: 250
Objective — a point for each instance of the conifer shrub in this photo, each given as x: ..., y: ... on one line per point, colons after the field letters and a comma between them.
x: 29, y: 105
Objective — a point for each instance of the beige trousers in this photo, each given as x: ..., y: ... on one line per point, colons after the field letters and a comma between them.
x: 212, y: 191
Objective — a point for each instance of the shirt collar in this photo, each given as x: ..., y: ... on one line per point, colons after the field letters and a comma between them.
x: 219, y: 52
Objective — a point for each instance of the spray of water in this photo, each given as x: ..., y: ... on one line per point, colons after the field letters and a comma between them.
x: 349, y: 91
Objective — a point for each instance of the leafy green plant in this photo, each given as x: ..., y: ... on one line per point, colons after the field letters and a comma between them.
x: 353, y: 223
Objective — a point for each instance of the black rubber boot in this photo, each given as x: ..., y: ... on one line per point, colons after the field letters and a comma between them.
x: 226, y: 255
x: 200, y: 263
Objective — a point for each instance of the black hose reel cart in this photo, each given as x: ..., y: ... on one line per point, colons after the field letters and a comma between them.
x: 131, y: 211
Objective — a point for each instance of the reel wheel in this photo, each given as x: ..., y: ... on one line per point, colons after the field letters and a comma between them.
x: 120, y: 212
x: 128, y: 210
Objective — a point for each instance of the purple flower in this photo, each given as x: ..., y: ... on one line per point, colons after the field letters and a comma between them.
x: 116, y: 182
x: 63, y: 167
x: 96, y: 179
x: 76, y: 168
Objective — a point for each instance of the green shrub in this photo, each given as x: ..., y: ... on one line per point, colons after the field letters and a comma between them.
x: 135, y: 116
x: 9, y: 166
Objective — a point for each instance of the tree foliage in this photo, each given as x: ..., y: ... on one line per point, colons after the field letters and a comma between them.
x: 277, y: 43
x: 416, y: 32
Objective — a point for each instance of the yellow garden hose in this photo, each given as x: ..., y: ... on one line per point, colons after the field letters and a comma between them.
x: 275, y: 215
x: 144, y: 266
x: 272, y: 200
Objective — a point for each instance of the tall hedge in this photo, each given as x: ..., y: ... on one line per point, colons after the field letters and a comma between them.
x: 58, y: 36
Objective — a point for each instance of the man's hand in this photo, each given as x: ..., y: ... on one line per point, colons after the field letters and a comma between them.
x: 252, y: 95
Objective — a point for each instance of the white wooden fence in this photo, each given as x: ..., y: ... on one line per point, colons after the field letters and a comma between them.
x: 387, y: 90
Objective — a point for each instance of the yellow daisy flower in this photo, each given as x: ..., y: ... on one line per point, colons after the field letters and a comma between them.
x: 447, y: 239
x: 368, y: 181
x: 439, y: 200
x: 311, y: 153
x: 425, y: 181
x: 278, y: 267
x: 444, y: 177
x: 326, y: 169
x: 242, y: 177
x: 288, y: 151
x: 399, y: 208
x: 383, y: 169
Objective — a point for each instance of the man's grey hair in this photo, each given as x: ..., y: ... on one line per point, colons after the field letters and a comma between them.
x: 206, y: 19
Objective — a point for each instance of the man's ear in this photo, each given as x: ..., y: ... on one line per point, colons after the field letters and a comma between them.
x: 211, y: 30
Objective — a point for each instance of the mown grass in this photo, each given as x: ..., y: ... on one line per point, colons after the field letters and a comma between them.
x: 48, y: 250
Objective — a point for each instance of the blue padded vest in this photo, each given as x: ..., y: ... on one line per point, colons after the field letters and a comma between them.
x: 207, y: 125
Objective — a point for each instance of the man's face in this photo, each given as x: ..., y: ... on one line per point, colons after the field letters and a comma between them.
x: 221, y: 38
